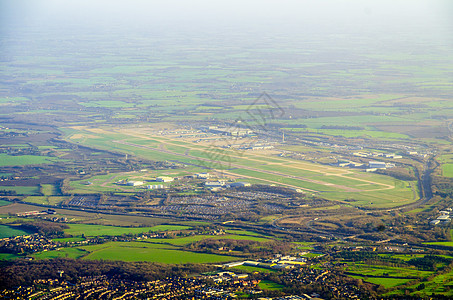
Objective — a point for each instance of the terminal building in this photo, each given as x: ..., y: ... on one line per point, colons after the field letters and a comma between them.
x: 234, y: 131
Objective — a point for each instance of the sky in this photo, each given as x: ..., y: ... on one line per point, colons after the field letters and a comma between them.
x: 289, y: 15
x: 244, y: 22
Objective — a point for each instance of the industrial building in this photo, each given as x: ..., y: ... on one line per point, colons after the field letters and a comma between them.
x: 164, y: 179
x: 156, y: 187
x: 239, y: 184
x: 215, y: 183
x: 377, y: 165
x: 134, y: 183
x: 234, y: 131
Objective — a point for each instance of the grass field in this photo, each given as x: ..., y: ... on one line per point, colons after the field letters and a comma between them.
x: 190, y: 239
x: 8, y: 256
x: 270, y: 285
x: 4, y: 203
x: 165, y: 250
x: 48, y: 189
x: 22, y: 160
x: 46, y: 200
x: 8, y: 231
x: 73, y: 253
x: 251, y: 269
x: 447, y: 170
x: 154, y: 252
x: 386, y: 282
x: 22, y: 190
x: 441, y: 284
x: 386, y: 271
x: 100, y: 230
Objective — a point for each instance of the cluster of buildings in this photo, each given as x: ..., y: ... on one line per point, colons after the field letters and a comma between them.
x: 370, y: 167
x: 230, y: 131
x: 163, y: 179
x: 36, y: 213
x: 279, y: 262
x: 444, y: 218
x: 377, y: 154
x: 27, y: 244
x: 223, y: 184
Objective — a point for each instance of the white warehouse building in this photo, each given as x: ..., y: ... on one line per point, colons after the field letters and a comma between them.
x: 377, y: 165
x: 164, y: 179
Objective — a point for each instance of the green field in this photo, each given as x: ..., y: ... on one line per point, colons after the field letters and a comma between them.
x: 441, y: 284
x: 154, y: 252
x: 386, y: 271
x: 22, y: 190
x: 11, y: 231
x: 251, y: 269
x: 8, y: 256
x: 386, y: 282
x: 270, y: 285
x: 190, y: 239
x: 73, y: 253
x: 447, y: 170
x: 46, y: 200
x: 100, y: 230
x: 163, y: 250
x: 22, y: 160
x: 48, y: 189
x: 4, y: 203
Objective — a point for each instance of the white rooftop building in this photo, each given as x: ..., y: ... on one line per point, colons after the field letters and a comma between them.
x: 164, y: 179
x: 377, y: 165
x: 134, y: 183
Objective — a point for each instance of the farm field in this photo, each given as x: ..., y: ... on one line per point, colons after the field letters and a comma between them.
x: 8, y: 160
x: 45, y: 200
x: 386, y: 282
x: 153, y: 252
x: 161, y: 250
x: 447, y: 170
x: 4, y: 203
x: 334, y: 183
x: 167, y: 251
x: 101, y: 230
x: 441, y: 284
x: 9, y: 231
x: 73, y: 253
x: 386, y: 271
